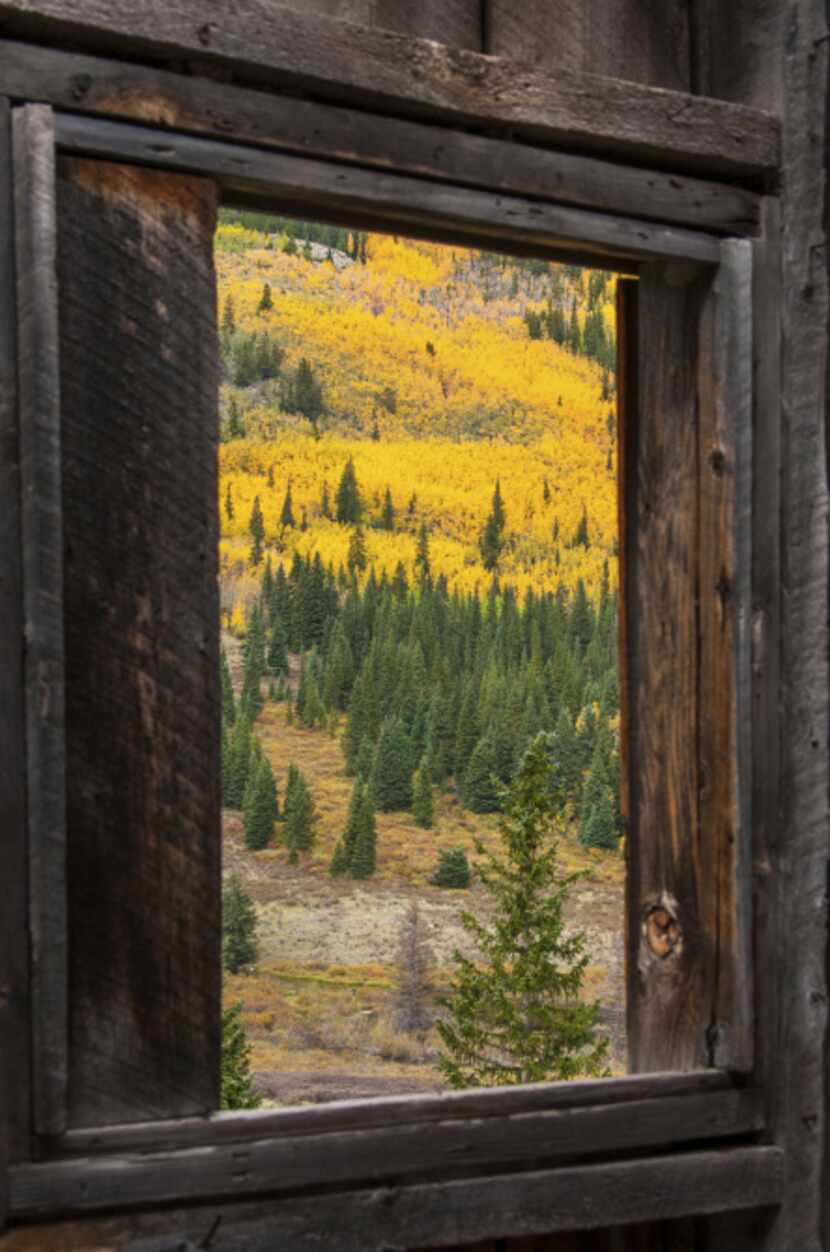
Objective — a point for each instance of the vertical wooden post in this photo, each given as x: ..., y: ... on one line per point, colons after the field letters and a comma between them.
x: 41, y: 485
x: 139, y: 375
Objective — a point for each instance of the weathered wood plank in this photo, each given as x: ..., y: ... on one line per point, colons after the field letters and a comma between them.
x: 440, y: 1214
x: 453, y: 22
x: 374, y: 68
x: 646, y: 43
x: 669, y: 959
x: 134, y: 92
x: 41, y: 486
x: 392, y: 199
x: 369, y: 1157
x: 724, y: 622
x: 424, y: 1111
x: 14, y: 947
x: 139, y: 388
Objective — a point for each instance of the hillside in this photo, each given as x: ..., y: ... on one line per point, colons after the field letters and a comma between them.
x: 418, y: 575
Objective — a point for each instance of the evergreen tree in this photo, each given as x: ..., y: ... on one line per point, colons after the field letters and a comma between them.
x: 287, y: 511
x: 235, y: 766
x: 308, y: 394
x: 514, y: 1014
x: 300, y: 817
x: 452, y: 870
x: 339, y: 863
x: 392, y: 774
x: 228, y: 318
x: 423, y: 569
x: 250, y: 700
x: 581, y: 537
x: 365, y: 759
x: 492, y: 537
x: 364, y: 857
x: 357, y: 559
x: 236, y: 1089
x: 265, y: 300
x: 411, y: 989
x: 348, y: 507
x: 325, y: 503
x: 422, y: 803
x: 228, y: 702
x: 228, y: 503
x: 235, y: 430
x: 239, y: 946
x: 259, y: 804
x: 277, y: 648
x: 256, y: 529
x: 387, y: 517
x: 481, y: 790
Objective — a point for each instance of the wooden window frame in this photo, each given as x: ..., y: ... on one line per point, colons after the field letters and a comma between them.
x: 541, y: 1158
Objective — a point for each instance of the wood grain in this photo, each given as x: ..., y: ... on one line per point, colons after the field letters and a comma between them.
x: 392, y: 201
x: 646, y: 43
x: 581, y: 1197
x: 390, y: 73
x: 134, y: 92
x: 284, y: 1164
x: 453, y: 22
x: 14, y: 947
x: 724, y: 610
x: 139, y: 384
x: 41, y: 486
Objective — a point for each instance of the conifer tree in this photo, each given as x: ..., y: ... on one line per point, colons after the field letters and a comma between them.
x: 228, y: 503
x: 325, y: 503
x: 423, y: 569
x: 422, y: 803
x: 287, y: 511
x: 347, y: 503
x: 387, y: 517
x: 239, y: 945
x: 339, y: 863
x: 235, y: 428
x: 308, y: 394
x: 581, y: 537
x: 514, y: 1013
x: 228, y: 702
x: 357, y: 559
x: 392, y: 773
x: 365, y: 759
x: 452, y: 870
x: 492, y: 537
x: 364, y: 857
x: 481, y: 789
x: 277, y: 648
x: 236, y: 1087
x: 259, y: 804
x: 414, y: 959
x: 235, y: 766
x: 300, y: 817
x: 228, y: 318
x: 256, y: 529
x: 250, y: 699
x: 265, y: 300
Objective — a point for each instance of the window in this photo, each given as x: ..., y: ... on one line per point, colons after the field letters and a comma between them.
x: 685, y: 323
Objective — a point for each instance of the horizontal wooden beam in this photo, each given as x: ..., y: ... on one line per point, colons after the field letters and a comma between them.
x: 370, y: 67
x: 580, y: 1197
x: 119, y: 89
x: 367, y: 1157
x: 405, y: 1110
x: 392, y: 201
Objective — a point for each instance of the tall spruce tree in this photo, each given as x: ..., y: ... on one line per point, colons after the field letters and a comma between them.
x: 392, y: 774
x: 259, y: 803
x: 300, y: 816
x: 513, y: 1011
x: 239, y: 945
x: 387, y: 516
x: 236, y: 1085
x: 423, y: 568
x: 256, y: 529
x: 492, y: 537
x: 287, y: 511
x: 228, y: 701
x: 423, y: 807
x: 348, y: 507
x: 364, y: 858
x: 357, y: 559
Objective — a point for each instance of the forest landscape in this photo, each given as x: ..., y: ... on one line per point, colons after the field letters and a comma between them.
x: 418, y: 562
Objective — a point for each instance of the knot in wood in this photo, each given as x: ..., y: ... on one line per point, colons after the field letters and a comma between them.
x: 662, y: 932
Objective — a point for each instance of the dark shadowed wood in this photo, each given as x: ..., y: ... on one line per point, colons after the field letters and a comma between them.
x: 646, y: 42
x: 371, y: 67
x: 134, y: 92
x: 724, y: 863
x: 393, y: 200
x: 484, y: 1103
x: 370, y: 1157
x: 41, y: 472
x: 139, y: 379
x: 453, y: 22
x: 581, y: 1197
x: 14, y: 946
